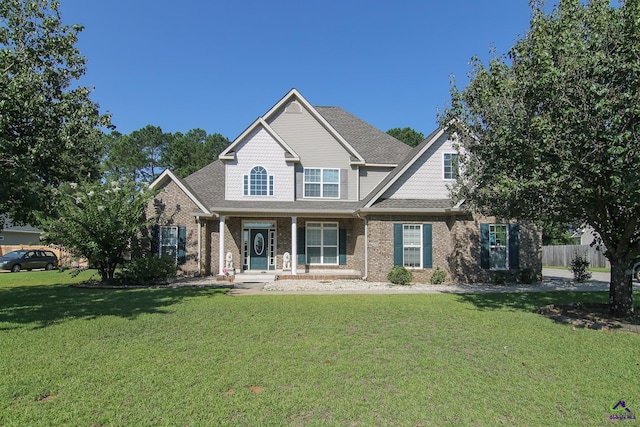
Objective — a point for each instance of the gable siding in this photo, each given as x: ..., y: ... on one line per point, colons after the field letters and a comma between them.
x: 370, y: 178
x: 316, y: 147
x: 424, y: 180
x: 259, y: 149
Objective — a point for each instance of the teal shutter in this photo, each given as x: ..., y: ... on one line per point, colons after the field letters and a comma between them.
x: 397, y: 245
x: 484, y: 246
x: 182, y: 245
x: 514, y: 246
x: 155, y: 240
x: 302, y: 241
x: 427, y: 246
x: 342, y: 246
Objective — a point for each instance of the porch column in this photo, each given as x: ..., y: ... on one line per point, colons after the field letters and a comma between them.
x: 221, y: 246
x: 294, y: 245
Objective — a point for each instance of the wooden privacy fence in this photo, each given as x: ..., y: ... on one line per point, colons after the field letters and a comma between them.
x: 65, y: 258
x: 562, y: 255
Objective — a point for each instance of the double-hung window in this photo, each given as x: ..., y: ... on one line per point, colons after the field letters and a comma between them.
x: 322, y: 183
x: 172, y: 243
x: 322, y: 243
x: 258, y: 183
x: 499, y: 246
x: 412, y: 245
x: 450, y: 165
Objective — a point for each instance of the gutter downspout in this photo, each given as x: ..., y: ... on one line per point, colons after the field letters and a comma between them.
x: 366, y: 248
x: 199, y: 259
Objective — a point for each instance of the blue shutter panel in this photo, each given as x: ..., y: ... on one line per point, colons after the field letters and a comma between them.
x: 397, y: 245
x: 514, y: 246
x: 246, y: 185
x: 342, y: 246
x: 182, y: 245
x: 427, y: 246
x: 484, y: 246
x: 302, y: 241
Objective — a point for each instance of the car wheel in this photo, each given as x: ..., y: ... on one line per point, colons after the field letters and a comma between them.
x: 15, y: 268
x: 49, y: 267
x: 638, y: 274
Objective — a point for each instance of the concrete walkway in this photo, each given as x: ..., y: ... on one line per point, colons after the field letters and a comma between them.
x: 553, y: 280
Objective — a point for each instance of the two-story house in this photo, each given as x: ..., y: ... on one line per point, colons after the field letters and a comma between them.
x: 310, y: 190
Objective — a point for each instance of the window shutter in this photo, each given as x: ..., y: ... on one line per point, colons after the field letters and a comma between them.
x: 344, y: 184
x: 155, y: 240
x: 299, y: 182
x: 514, y: 246
x: 397, y: 245
x: 302, y: 241
x: 484, y: 246
x: 427, y: 246
x: 182, y: 245
x: 342, y: 246
x: 246, y: 185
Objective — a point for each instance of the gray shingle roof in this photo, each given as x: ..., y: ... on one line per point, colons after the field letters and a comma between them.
x: 401, y: 204
x: 208, y: 183
x: 371, y: 143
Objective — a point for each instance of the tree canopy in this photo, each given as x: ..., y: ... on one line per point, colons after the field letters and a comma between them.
x: 49, y: 127
x: 551, y: 130
x: 143, y: 154
x: 407, y: 135
x: 99, y: 221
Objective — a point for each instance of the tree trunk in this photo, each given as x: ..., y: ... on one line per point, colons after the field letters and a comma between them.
x: 621, y: 288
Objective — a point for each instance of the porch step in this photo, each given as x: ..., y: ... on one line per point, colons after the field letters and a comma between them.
x: 254, y: 278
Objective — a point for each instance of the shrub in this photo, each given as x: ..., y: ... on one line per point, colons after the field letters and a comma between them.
x: 149, y: 270
x: 438, y: 276
x: 400, y: 276
x: 527, y: 275
x: 579, y: 267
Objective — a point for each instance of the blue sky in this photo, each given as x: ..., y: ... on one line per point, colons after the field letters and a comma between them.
x: 218, y: 65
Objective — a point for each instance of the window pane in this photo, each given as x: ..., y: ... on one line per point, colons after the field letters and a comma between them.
x: 331, y: 190
x: 450, y: 166
x: 330, y: 237
x: 411, y: 257
x: 312, y: 175
x: 258, y: 181
x: 331, y: 175
x: 313, y: 255
x: 411, y: 235
x: 314, y: 236
x: 330, y: 255
x: 498, y: 258
x: 312, y: 190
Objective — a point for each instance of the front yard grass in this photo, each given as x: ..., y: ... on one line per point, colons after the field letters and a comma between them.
x: 195, y: 356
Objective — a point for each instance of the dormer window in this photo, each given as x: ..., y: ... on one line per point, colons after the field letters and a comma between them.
x: 258, y: 183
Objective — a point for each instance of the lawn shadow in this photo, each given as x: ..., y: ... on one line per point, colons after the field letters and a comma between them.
x: 50, y: 304
x: 530, y: 301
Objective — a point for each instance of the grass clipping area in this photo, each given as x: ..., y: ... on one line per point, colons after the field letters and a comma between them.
x: 195, y: 356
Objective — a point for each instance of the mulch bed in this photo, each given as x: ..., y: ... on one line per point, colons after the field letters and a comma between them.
x: 590, y: 315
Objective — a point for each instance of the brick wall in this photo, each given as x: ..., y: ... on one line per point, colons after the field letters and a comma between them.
x: 456, y: 247
x: 172, y: 207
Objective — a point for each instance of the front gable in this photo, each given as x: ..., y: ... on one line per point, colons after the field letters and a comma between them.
x: 425, y: 177
x: 260, y: 167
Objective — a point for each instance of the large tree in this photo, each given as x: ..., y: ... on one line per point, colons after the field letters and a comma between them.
x: 192, y: 151
x: 99, y: 221
x: 407, y: 135
x: 49, y: 127
x: 551, y: 130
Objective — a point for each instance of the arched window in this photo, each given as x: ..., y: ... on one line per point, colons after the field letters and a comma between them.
x: 258, y: 182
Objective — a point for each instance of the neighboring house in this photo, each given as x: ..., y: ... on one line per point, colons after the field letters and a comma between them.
x: 339, y: 197
x: 12, y: 234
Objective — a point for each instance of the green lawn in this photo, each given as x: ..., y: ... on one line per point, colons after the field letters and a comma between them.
x: 198, y: 357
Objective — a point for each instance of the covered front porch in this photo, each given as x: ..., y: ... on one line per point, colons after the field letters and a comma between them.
x: 259, y: 249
